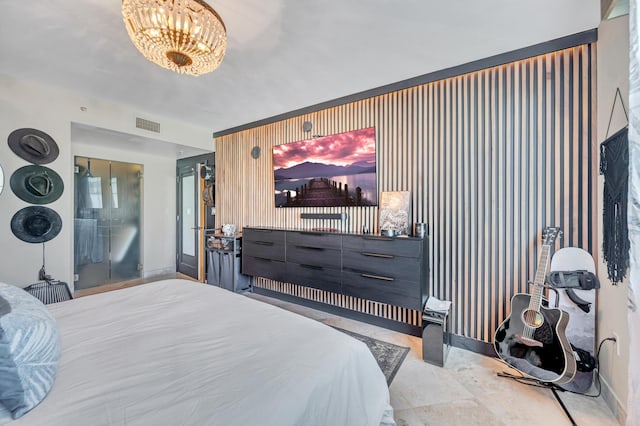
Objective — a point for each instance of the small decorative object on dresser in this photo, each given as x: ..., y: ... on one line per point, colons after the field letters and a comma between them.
x: 420, y: 230
x: 228, y: 229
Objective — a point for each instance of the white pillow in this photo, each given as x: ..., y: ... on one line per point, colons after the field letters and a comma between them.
x: 29, y: 350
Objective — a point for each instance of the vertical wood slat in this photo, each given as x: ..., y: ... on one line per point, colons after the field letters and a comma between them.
x: 490, y: 158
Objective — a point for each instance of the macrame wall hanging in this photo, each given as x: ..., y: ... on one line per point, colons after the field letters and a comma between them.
x: 614, y: 165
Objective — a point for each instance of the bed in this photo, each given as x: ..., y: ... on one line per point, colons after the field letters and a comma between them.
x: 179, y: 352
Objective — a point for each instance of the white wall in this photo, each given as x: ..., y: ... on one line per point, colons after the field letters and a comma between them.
x: 25, y: 104
x: 613, y: 72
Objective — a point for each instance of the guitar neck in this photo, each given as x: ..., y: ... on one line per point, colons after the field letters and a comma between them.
x: 543, y: 263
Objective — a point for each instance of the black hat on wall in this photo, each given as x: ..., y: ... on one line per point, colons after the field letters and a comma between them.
x: 36, y: 184
x: 33, y: 145
x: 36, y: 224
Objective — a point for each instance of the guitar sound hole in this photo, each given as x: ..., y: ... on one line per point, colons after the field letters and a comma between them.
x: 532, y: 318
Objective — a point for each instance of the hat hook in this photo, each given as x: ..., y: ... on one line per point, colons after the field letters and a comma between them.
x: 42, y: 273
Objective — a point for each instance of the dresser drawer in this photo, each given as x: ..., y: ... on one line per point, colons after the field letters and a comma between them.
x: 389, y: 265
x: 314, y: 239
x: 314, y: 276
x: 317, y: 256
x: 264, y: 249
x: 383, y: 245
x: 381, y: 288
x: 263, y: 243
x: 263, y: 235
x: 262, y: 267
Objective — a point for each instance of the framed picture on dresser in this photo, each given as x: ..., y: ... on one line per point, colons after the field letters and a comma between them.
x: 395, y: 211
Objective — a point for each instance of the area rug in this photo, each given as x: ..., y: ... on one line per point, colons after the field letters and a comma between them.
x: 388, y: 355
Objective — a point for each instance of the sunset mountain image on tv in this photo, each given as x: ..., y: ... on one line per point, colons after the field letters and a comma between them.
x: 328, y: 171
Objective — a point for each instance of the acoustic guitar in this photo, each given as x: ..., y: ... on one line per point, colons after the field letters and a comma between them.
x: 532, y: 339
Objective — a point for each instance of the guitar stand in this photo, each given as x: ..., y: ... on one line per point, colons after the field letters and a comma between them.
x: 554, y: 389
x: 534, y: 382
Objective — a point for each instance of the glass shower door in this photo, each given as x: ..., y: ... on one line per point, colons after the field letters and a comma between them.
x: 126, y: 209
x: 107, y: 225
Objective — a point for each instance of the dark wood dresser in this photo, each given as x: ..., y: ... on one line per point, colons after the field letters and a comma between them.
x: 388, y: 270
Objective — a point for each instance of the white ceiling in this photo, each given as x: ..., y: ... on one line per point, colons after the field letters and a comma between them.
x: 282, y: 55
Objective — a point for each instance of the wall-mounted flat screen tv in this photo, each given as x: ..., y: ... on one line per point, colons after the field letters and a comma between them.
x: 327, y: 171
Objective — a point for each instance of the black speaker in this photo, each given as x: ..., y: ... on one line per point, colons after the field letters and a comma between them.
x: 337, y: 216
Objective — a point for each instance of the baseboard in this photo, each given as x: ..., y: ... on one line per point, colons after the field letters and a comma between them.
x: 157, y: 272
x: 617, y: 408
x: 473, y: 345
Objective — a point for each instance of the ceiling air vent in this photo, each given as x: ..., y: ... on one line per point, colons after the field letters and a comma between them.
x: 152, y: 126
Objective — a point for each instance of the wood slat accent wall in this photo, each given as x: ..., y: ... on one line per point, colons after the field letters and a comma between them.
x: 490, y: 157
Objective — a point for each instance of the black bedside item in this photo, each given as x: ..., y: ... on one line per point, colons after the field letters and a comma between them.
x: 436, y: 342
x: 50, y: 291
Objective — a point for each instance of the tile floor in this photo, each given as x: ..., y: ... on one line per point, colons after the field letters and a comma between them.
x: 467, y: 390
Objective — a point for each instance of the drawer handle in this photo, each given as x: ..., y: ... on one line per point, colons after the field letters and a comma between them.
x: 378, y: 277
x: 379, y: 238
x: 263, y: 243
x: 314, y: 267
x: 263, y: 259
x: 310, y: 248
x: 386, y: 256
x: 312, y: 233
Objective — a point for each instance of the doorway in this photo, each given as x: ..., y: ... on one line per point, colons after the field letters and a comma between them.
x: 107, y: 222
x: 192, y: 216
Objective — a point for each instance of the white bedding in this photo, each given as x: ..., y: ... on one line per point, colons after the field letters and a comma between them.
x: 182, y: 353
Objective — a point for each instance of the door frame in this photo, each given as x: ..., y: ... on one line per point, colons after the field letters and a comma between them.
x: 196, y: 268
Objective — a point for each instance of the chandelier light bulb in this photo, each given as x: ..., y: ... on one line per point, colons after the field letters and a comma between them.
x: 185, y: 36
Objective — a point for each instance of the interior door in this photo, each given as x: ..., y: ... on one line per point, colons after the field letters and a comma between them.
x: 187, y: 217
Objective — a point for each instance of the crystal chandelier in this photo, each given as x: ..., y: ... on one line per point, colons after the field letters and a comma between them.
x: 185, y: 36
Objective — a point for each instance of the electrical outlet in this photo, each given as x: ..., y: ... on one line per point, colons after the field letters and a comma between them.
x: 617, y: 343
